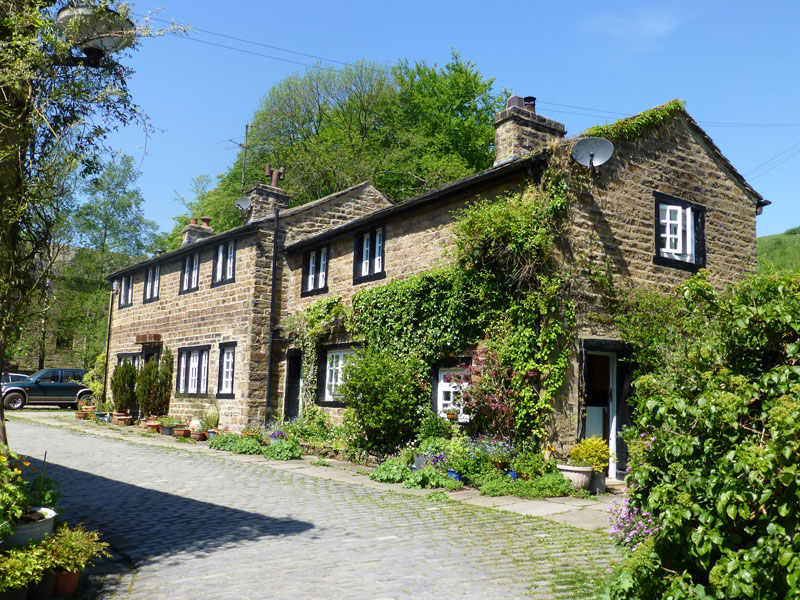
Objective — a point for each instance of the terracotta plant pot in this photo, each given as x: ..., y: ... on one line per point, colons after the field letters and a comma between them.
x: 153, y: 427
x: 181, y: 431
x: 81, y: 415
x: 116, y: 416
x: 199, y: 436
x: 66, y: 583
x: 124, y: 421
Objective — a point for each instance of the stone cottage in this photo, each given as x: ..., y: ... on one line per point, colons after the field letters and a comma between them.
x: 665, y: 205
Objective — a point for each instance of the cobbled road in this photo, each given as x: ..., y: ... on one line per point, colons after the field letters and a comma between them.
x: 184, y: 524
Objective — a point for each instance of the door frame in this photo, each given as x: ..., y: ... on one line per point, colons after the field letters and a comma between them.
x: 612, y: 406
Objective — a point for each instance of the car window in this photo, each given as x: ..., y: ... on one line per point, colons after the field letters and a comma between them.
x: 18, y: 377
x: 49, y: 376
x: 73, y: 375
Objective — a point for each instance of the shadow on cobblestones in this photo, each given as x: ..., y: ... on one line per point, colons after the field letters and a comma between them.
x: 143, y: 524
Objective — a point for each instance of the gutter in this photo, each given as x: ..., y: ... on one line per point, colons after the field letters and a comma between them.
x: 272, y: 312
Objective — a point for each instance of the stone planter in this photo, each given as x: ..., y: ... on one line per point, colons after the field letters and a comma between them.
x: 34, y: 531
x: 116, y: 417
x: 598, y: 483
x: 580, y: 477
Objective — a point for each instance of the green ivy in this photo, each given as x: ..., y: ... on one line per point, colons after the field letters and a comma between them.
x: 638, y: 125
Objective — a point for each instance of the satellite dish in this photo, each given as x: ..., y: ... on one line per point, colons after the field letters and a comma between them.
x: 592, y: 151
x: 243, y: 203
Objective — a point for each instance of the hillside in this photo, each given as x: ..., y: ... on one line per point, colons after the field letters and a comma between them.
x: 779, y: 252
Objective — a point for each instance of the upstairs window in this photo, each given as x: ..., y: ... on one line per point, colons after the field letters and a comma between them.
x: 126, y: 291
x: 224, y: 263
x: 152, y: 283
x: 190, y: 273
x: 315, y: 272
x: 193, y: 371
x: 368, y: 263
x: 679, y: 233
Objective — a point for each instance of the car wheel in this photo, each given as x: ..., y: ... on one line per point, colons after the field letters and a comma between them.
x: 14, y: 401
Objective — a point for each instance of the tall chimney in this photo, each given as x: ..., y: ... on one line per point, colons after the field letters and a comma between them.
x: 193, y: 232
x: 520, y: 131
x: 264, y: 198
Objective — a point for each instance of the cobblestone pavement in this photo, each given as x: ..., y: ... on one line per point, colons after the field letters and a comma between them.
x: 202, y: 525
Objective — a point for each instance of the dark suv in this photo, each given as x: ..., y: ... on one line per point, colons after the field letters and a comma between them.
x: 48, y: 386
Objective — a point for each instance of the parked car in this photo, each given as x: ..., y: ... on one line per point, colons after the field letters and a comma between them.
x: 61, y: 387
x: 11, y: 377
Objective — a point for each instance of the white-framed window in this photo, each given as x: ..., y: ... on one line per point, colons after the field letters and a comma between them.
x: 190, y: 276
x: 369, y: 261
x: 680, y: 238
x: 152, y: 283
x: 224, y: 263
x: 227, y: 363
x: 193, y: 370
x: 448, y: 392
x: 334, y: 365
x: 126, y: 291
x: 315, y: 272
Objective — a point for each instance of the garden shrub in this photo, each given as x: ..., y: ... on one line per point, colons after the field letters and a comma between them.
x: 283, y: 449
x: 591, y: 452
x: 387, y: 397
x: 311, y: 425
x: 166, y: 367
x: 713, y: 451
x: 148, y: 389
x: 392, y: 470
x: 224, y: 441
x: 549, y: 485
x: 430, y: 477
x: 246, y: 445
x: 530, y: 464
x: 434, y: 426
x: 123, y: 387
x: 94, y: 379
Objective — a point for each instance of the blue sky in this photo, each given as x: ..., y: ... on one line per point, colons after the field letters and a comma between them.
x: 587, y: 63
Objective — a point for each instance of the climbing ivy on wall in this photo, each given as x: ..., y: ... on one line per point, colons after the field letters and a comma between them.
x: 309, y: 328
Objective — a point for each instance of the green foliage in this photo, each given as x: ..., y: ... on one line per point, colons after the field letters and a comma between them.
x: 72, y: 549
x: 592, y: 452
x: 123, y: 387
x: 713, y: 451
x: 428, y: 315
x: 638, y: 125
x: 20, y: 489
x: 430, y: 477
x: 387, y: 395
x: 94, y: 378
x: 311, y: 425
x: 531, y: 464
x: 410, y: 128
x: 779, y: 253
x: 166, y: 367
x: 280, y: 449
x: 224, y: 441
x: 246, y: 445
x: 21, y: 567
x: 548, y: 485
x: 437, y: 496
x: 434, y: 426
x: 391, y: 471
x: 148, y: 388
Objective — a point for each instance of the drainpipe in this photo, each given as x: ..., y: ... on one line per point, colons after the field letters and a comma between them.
x: 272, y: 311
x: 108, y: 339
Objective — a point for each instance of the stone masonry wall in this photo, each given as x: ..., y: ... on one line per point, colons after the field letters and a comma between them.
x: 615, y: 221
x: 207, y: 316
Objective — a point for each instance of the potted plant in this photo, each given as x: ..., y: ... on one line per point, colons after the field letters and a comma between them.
x: 181, y: 430
x: 167, y: 425
x: 593, y: 452
x: 198, y: 434
x: 20, y: 568
x: 210, y: 422
x: 69, y: 552
x: 452, y: 413
x: 27, y: 509
x: 252, y: 430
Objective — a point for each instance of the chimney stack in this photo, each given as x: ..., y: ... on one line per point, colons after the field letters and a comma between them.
x: 264, y: 198
x: 194, y: 233
x: 520, y: 131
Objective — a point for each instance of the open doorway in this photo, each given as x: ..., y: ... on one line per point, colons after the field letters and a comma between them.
x: 600, y: 401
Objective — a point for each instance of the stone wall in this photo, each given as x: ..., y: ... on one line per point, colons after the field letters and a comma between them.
x: 208, y: 316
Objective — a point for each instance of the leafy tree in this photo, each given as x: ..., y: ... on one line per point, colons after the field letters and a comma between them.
x: 53, y: 122
x: 713, y: 451
x: 410, y: 128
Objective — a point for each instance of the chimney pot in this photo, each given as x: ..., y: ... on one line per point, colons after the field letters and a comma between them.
x: 193, y: 221
x: 515, y: 101
x: 206, y: 221
x: 530, y: 103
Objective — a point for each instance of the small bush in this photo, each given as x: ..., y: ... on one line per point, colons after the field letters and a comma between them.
x: 148, y: 389
x: 550, y: 485
x: 391, y: 471
x: 434, y: 426
x: 387, y: 396
x: 495, y: 483
x: 224, y: 441
x: 592, y: 452
x: 437, y: 496
x: 123, y: 387
x: 246, y: 445
x: 283, y: 449
x: 427, y: 477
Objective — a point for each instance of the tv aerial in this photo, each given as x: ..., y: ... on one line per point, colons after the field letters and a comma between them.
x: 592, y: 151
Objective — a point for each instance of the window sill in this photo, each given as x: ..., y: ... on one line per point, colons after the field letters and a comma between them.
x: 331, y: 404
x: 314, y: 292
x: 368, y: 278
x: 150, y: 300
x: 188, y: 291
x: 222, y: 282
x: 663, y: 261
x: 224, y: 396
